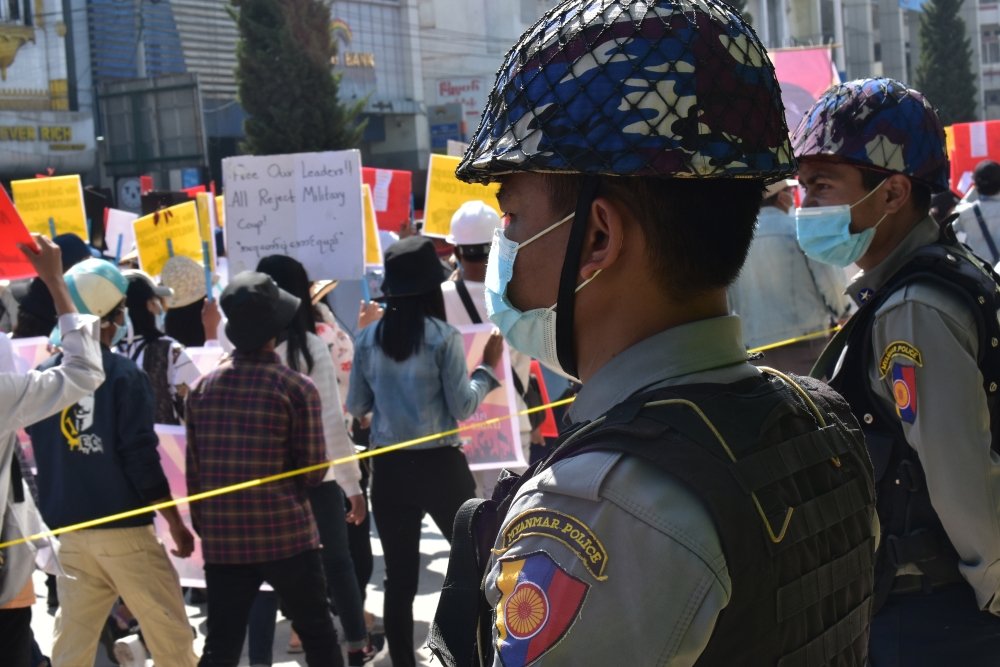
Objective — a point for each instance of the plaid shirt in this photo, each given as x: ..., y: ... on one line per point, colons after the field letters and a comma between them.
x: 250, y: 418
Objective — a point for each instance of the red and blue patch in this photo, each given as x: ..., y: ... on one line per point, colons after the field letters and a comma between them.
x: 904, y: 391
x: 539, y: 602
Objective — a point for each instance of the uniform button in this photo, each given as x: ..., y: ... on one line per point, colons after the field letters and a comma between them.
x: 993, y: 386
x: 994, y: 342
x: 951, y: 258
x: 982, y: 301
x: 869, y: 419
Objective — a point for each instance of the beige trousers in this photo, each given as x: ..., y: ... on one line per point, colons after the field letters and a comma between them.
x: 103, y: 564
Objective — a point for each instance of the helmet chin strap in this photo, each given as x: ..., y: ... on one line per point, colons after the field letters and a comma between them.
x: 565, y: 345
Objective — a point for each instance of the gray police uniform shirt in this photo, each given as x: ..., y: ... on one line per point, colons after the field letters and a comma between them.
x: 603, y: 559
x: 924, y: 344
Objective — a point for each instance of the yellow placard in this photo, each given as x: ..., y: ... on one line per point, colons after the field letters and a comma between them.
x: 220, y: 211
x: 59, y: 198
x: 206, y: 209
x: 445, y: 194
x: 373, y: 244
x: 179, y: 225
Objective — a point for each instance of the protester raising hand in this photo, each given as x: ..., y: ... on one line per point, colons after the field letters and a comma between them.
x: 369, y: 313
x: 493, y: 352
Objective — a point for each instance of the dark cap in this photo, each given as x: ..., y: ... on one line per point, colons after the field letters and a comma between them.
x: 412, y: 268
x: 257, y: 310
x: 987, y: 177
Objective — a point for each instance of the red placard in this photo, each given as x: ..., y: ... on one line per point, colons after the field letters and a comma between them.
x: 392, y: 191
x: 968, y: 145
x: 13, y: 264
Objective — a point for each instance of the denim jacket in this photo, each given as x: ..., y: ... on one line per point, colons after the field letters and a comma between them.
x: 781, y: 293
x: 425, y: 394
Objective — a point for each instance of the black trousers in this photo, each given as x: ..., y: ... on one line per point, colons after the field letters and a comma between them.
x: 406, y: 485
x: 15, y: 637
x: 941, y: 628
x: 299, y: 581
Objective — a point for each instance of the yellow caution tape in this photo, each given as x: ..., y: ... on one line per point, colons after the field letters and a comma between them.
x: 346, y: 459
x: 274, y: 478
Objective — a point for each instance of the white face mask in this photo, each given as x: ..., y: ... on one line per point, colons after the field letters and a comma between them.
x: 531, y: 332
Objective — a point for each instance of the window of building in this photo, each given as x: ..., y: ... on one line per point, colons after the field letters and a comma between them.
x: 15, y: 11
x: 990, y: 44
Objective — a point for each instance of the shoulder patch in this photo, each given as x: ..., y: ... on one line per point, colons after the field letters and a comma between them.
x: 904, y: 391
x: 563, y: 528
x: 898, y: 348
x: 539, y: 603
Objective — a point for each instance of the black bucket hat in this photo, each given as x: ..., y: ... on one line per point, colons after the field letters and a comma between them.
x: 412, y: 268
x: 257, y: 310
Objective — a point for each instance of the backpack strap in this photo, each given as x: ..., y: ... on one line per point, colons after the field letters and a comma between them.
x: 986, y: 232
x: 470, y: 308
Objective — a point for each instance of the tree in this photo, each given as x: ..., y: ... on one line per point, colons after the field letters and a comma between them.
x: 945, y: 71
x: 286, y: 84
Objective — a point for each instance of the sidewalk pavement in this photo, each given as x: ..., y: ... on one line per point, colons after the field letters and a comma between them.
x: 434, y: 562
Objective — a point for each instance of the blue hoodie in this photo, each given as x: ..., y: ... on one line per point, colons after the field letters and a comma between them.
x: 98, y: 457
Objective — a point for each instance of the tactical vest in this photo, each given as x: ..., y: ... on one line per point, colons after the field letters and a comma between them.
x: 785, y: 476
x: 911, y: 530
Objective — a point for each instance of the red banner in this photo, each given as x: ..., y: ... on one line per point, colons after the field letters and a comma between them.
x: 392, y: 191
x: 13, y: 264
x: 968, y: 145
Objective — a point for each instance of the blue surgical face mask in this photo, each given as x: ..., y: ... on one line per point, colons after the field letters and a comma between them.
x: 161, y: 319
x: 532, y: 332
x: 120, y: 330
x: 824, y: 233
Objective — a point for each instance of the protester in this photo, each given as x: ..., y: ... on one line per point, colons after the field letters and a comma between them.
x: 25, y: 399
x: 303, y: 351
x: 918, y: 363
x: 410, y: 373
x: 36, y: 313
x: 98, y: 458
x: 254, y: 417
x: 781, y: 294
x: 632, y: 141
x: 472, y: 227
x: 171, y: 371
x: 978, y: 224
x: 183, y: 323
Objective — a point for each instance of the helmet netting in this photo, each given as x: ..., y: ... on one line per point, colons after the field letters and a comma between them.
x: 660, y: 88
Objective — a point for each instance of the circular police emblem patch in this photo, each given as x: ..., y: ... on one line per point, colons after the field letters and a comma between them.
x: 526, y: 611
x: 901, y: 393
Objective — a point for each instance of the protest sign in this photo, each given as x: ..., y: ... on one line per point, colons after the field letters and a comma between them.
x: 220, y: 211
x: 51, y: 206
x: 29, y: 353
x: 205, y: 359
x: 804, y: 74
x: 496, y: 445
x: 206, y: 224
x: 445, y: 193
x: 392, y: 192
x: 304, y: 205
x: 13, y: 264
x: 178, y: 225
x: 119, y: 233
x: 373, y: 243
x: 173, y: 450
x: 969, y: 144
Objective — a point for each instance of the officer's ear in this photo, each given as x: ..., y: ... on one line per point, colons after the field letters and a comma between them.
x: 897, y: 190
x: 606, y: 231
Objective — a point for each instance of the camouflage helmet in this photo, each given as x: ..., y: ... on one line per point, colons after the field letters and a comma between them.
x: 877, y: 123
x: 634, y: 88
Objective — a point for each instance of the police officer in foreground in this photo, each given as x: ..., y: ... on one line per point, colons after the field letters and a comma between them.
x: 701, y: 510
x: 918, y: 363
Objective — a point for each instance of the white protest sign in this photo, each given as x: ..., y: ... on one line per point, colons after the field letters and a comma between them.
x: 304, y: 205
x: 118, y: 232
